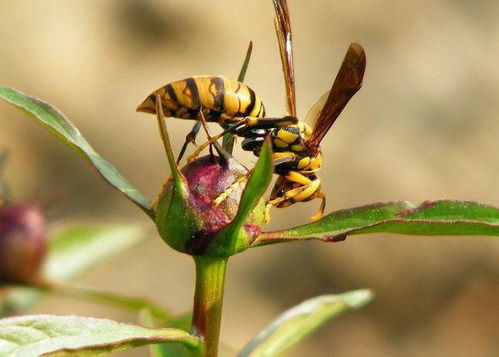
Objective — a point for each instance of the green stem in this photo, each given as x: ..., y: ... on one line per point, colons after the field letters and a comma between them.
x: 208, y: 298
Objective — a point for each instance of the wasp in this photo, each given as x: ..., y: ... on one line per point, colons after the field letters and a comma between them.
x: 232, y: 104
x: 296, y: 144
x: 297, y: 147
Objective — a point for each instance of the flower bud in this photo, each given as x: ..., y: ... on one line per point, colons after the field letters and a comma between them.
x: 190, y: 221
x: 22, y: 242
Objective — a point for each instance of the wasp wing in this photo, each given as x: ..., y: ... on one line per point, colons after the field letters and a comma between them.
x: 316, y: 109
x: 348, y: 81
x: 283, y: 31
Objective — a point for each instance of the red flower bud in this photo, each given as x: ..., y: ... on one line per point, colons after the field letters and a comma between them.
x: 190, y: 221
x: 22, y: 242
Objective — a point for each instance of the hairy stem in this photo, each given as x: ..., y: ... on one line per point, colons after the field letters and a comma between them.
x: 208, y: 299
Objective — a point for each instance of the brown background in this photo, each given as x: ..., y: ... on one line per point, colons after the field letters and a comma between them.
x: 424, y: 126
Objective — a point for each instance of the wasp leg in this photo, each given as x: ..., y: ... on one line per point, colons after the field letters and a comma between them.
x: 283, y: 159
x: 189, y: 138
x: 322, y: 207
x: 245, y: 127
x: 205, y: 127
x: 221, y: 197
x: 213, y: 139
x: 305, y: 192
x: 308, y: 192
x: 269, y: 205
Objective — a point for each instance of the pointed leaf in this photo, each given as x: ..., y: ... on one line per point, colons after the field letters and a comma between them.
x: 300, y: 321
x: 53, y: 120
x: 429, y: 218
x: 48, y: 335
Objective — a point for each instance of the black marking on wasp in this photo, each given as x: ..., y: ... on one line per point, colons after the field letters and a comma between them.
x: 232, y: 104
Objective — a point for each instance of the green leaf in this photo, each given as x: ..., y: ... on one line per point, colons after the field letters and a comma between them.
x: 73, y: 249
x: 53, y: 120
x: 429, y: 218
x: 300, y: 321
x: 50, y: 335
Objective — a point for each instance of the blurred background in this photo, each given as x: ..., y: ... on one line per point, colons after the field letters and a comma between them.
x: 424, y: 126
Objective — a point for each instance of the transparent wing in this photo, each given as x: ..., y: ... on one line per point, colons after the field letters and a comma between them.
x: 316, y: 109
x: 347, y: 82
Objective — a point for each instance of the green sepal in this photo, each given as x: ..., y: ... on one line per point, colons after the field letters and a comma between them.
x: 175, y: 218
x: 174, y: 215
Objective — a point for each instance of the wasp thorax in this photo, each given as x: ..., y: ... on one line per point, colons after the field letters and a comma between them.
x: 190, y: 221
x: 22, y: 243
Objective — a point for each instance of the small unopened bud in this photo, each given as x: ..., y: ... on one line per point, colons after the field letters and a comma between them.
x: 213, y: 190
x: 22, y: 242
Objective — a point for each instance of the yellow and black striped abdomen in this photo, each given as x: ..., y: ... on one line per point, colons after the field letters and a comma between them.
x: 220, y: 98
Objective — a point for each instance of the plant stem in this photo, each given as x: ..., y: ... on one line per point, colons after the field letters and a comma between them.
x: 208, y: 298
